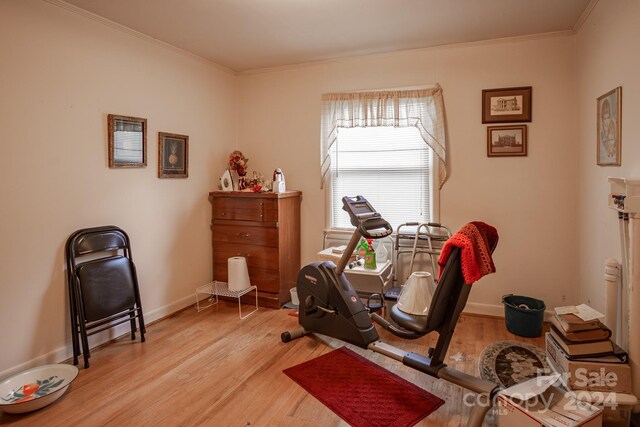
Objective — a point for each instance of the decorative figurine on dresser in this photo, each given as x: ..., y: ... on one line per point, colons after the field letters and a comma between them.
x: 263, y: 227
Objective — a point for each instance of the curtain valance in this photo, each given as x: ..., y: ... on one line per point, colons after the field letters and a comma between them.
x: 423, y: 109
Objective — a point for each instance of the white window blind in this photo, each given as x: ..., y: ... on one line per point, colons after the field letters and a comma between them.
x: 390, y: 166
x: 128, y: 145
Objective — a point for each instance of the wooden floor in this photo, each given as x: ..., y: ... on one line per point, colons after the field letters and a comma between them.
x: 210, y: 368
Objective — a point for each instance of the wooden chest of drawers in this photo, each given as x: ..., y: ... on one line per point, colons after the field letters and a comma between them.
x: 265, y: 229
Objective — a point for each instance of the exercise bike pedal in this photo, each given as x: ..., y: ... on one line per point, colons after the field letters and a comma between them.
x: 374, y: 306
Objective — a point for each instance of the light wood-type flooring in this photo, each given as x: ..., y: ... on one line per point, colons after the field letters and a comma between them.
x: 210, y: 368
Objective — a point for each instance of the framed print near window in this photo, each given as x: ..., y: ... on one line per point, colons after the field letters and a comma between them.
x: 505, y: 141
x: 609, y: 128
x: 173, y: 155
x: 506, y: 105
x: 127, y: 141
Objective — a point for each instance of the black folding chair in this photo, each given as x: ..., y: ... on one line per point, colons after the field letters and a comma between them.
x: 103, y: 285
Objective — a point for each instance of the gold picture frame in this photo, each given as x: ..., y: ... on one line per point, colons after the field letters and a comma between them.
x: 127, y: 141
x: 173, y: 155
x: 507, y: 141
x: 609, y: 128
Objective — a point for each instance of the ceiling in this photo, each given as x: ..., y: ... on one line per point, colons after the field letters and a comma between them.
x: 245, y: 35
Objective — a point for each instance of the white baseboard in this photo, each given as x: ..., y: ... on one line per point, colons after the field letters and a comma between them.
x: 66, y: 352
x: 495, y: 310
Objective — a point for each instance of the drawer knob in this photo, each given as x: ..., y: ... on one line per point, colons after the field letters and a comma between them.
x: 241, y: 234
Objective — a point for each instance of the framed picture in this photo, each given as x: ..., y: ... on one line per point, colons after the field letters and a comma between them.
x: 609, y: 128
x: 505, y: 141
x: 173, y: 155
x: 127, y: 141
x: 506, y: 105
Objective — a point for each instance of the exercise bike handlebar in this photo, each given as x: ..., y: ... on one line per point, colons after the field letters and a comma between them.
x: 369, y: 224
x: 364, y: 217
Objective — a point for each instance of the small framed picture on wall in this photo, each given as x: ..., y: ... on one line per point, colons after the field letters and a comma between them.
x: 173, y: 155
x: 506, y: 105
x: 609, y: 128
x: 506, y: 141
x: 127, y: 140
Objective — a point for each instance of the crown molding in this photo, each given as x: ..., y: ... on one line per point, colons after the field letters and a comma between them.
x: 584, y: 16
x: 133, y: 33
x: 408, y: 52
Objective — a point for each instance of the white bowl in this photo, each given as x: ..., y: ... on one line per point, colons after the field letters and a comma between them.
x: 35, y: 388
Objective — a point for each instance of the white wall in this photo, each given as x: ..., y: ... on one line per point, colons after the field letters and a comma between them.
x: 530, y: 200
x: 61, y: 74
x: 607, y: 57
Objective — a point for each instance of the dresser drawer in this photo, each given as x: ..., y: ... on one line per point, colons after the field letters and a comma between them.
x: 257, y: 256
x: 249, y: 209
x: 266, y: 280
x: 262, y: 236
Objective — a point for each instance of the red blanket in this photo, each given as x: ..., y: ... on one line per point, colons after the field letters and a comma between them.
x: 477, y: 241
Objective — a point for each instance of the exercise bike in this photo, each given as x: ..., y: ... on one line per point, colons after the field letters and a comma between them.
x: 330, y: 306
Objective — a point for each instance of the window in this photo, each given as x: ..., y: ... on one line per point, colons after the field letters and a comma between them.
x: 391, y: 167
x: 388, y: 146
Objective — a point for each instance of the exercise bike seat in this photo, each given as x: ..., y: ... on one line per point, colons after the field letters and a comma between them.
x: 444, y: 298
x: 408, y: 321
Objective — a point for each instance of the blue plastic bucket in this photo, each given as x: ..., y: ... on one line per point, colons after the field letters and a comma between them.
x: 523, y: 315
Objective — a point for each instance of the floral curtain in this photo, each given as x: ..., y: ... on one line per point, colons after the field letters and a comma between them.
x: 423, y: 109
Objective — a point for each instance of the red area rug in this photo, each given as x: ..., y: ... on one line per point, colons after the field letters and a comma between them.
x: 361, y: 392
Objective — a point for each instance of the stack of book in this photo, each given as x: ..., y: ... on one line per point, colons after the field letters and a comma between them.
x: 582, y: 350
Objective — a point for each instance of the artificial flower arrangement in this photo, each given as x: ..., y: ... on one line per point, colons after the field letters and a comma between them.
x: 238, y: 162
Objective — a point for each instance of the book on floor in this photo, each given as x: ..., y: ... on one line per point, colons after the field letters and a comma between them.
x: 600, y: 333
x: 617, y: 356
x: 572, y: 323
x: 602, y: 347
x: 583, y: 374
